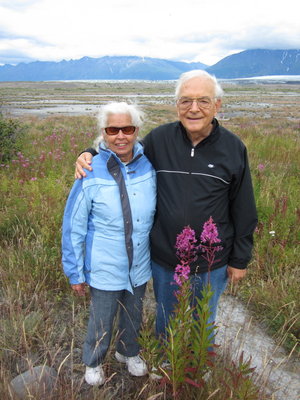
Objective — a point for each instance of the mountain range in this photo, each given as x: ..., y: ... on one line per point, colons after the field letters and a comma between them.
x: 251, y: 63
x: 248, y: 63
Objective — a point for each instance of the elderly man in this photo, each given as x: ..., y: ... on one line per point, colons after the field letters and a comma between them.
x: 202, y: 171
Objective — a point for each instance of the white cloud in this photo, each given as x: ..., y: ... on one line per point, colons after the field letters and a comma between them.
x: 192, y: 31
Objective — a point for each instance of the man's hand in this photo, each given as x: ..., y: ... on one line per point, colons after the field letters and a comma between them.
x: 235, y: 274
x: 83, y: 161
x: 79, y: 289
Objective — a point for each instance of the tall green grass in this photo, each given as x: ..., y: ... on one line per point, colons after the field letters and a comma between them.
x: 273, y: 282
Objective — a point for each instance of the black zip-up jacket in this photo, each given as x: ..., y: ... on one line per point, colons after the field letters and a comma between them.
x: 194, y: 183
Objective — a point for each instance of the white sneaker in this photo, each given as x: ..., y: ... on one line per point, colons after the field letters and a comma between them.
x: 135, y: 365
x: 94, y: 376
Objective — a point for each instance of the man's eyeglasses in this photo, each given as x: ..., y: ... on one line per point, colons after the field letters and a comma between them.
x: 113, y: 130
x: 184, y: 103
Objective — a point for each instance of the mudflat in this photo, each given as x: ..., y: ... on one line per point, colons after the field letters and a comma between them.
x: 260, y: 100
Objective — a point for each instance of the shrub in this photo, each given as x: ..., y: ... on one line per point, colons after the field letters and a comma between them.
x: 11, y: 131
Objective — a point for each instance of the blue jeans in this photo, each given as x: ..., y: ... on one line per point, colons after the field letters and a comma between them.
x: 103, y: 310
x: 164, y: 287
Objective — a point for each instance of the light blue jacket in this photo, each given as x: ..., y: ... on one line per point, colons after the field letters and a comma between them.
x: 107, y: 221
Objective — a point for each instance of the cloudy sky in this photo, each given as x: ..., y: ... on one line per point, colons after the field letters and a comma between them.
x: 185, y: 30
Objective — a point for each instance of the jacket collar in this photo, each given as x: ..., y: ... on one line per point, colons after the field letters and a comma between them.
x: 138, y: 151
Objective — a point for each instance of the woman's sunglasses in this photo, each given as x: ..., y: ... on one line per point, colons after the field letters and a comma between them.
x: 113, y: 130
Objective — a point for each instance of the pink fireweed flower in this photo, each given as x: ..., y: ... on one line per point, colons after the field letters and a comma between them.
x: 187, y: 249
x: 186, y: 252
x: 185, y: 245
x: 42, y: 156
x: 209, y: 238
x: 210, y: 232
x: 182, y: 273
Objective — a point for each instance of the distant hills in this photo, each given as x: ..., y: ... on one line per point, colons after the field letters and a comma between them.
x: 251, y: 63
x: 123, y: 67
x: 248, y: 63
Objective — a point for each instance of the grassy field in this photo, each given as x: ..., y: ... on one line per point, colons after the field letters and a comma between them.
x: 41, y: 322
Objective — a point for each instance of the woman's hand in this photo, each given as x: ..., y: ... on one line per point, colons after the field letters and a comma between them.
x: 79, y: 289
x: 83, y: 161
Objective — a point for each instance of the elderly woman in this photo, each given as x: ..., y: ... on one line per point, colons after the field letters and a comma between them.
x: 105, y: 240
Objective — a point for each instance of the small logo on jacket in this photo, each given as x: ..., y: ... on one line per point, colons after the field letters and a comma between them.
x: 210, y: 165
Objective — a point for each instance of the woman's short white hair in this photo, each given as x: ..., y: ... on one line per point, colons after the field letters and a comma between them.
x: 198, y: 73
x: 106, y: 110
x: 136, y: 115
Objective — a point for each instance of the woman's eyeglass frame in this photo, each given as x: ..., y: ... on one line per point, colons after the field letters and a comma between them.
x: 114, y: 130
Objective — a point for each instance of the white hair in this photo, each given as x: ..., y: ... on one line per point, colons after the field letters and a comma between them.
x: 106, y: 110
x: 198, y: 73
x: 136, y: 115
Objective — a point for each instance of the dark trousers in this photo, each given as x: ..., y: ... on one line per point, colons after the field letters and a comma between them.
x: 103, y: 310
x: 165, y: 288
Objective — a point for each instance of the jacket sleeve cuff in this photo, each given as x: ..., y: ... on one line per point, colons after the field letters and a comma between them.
x: 237, y: 265
x: 76, y: 279
x: 90, y: 150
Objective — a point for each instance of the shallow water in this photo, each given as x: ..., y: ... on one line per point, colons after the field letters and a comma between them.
x: 85, y: 98
x: 44, y: 108
x: 238, y: 332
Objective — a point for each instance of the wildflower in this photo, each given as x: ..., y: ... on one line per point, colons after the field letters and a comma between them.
x: 189, y: 330
x: 210, y: 236
x: 261, y: 167
x: 182, y: 273
x: 186, y: 252
x: 42, y: 156
x: 33, y: 178
x: 185, y: 245
x: 210, y: 232
x: 272, y: 233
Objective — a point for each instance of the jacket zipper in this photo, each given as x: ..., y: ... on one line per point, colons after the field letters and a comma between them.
x: 187, y: 194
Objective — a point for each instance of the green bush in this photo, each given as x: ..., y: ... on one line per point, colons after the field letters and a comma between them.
x: 11, y: 131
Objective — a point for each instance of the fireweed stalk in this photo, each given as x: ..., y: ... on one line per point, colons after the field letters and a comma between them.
x: 209, y: 243
x: 189, y: 340
x: 186, y: 252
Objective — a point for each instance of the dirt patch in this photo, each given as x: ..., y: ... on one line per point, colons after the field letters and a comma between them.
x: 239, y: 332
